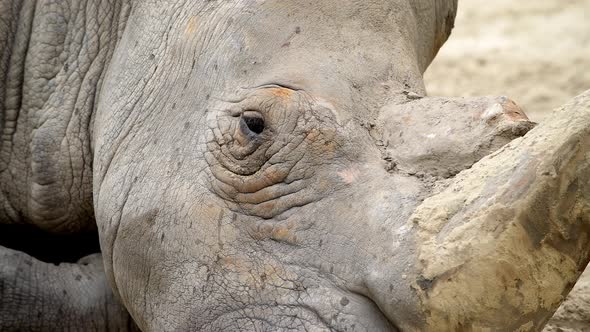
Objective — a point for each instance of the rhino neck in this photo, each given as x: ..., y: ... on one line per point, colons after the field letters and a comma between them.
x: 52, y: 63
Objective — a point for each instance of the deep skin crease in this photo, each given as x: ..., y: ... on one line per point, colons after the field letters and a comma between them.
x: 275, y: 165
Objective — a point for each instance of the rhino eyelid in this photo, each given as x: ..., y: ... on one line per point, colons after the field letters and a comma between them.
x: 278, y: 85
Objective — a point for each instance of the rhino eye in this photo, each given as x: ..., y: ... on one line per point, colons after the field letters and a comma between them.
x: 252, y: 122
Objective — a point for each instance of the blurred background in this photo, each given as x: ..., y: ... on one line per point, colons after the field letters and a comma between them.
x: 535, y: 51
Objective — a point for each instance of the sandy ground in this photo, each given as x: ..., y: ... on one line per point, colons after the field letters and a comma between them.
x: 538, y: 53
x: 534, y: 51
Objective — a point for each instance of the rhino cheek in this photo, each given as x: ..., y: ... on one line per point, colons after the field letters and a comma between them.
x: 163, y: 260
x: 201, y: 273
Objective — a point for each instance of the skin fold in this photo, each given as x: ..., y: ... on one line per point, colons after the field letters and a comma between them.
x: 274, y: 165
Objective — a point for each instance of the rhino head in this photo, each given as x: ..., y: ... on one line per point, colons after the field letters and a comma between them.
x: 276, y: 165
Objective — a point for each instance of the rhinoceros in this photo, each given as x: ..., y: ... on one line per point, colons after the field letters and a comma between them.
x: 276, y: 165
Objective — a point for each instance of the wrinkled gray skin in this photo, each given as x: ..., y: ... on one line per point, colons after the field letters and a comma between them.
x: 273, y: 165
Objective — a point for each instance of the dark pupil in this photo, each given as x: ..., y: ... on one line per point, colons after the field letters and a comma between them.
x: 254, y: 123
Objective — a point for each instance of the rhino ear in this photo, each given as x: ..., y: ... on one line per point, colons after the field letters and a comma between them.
x: 446, y: 11
x: 440, y: 137
x: 435, y: 20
